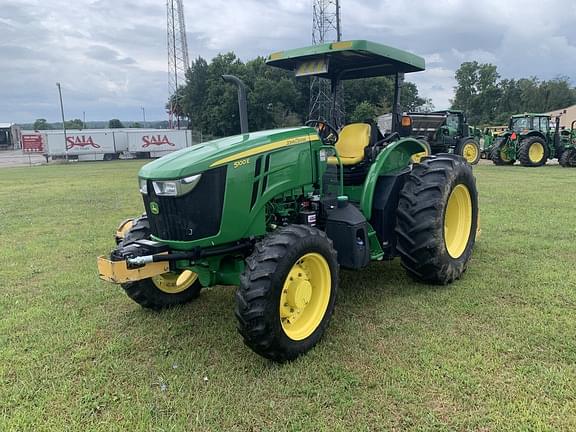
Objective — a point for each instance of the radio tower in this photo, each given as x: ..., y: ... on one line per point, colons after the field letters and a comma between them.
x: 325, y: 28
x: 178, y: 62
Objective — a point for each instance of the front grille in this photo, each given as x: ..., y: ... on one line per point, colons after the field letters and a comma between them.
x: 193, y: 216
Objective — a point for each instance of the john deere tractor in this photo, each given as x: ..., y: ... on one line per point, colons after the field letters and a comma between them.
x: 279, y: 212
x: 568, y: 140
x: 529, y: 139
x: 445, y: 132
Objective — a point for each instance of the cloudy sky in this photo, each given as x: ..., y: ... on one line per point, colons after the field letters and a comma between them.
x: 110, y: 55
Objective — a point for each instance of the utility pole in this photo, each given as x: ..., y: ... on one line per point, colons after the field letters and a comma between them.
x: 326, y: 27
x: 143, y: 117
x: 63, y: 120
x: 84, y: 119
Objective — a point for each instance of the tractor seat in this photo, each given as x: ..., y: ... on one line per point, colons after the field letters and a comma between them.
x: 352, y: 141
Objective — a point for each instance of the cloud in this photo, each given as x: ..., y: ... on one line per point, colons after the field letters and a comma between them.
x: 111, y: 59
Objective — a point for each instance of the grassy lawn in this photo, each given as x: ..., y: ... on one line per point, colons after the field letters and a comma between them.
x: 494, y: 351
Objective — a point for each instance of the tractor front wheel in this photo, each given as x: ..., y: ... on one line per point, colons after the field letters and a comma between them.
x: 498, y: 154
x: 469, y: 150
x: 533, y: 152
x: 162, y: 291
x: 568, y: 158
x: 437, y: 219
x: 287, y: 292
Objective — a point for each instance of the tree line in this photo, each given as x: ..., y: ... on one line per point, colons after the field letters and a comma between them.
x: 42, y: 124
x: 489, y: 100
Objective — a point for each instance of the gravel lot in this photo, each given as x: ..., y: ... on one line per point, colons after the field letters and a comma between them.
x: 14, y: 158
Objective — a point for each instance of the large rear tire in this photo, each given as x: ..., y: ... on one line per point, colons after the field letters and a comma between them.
x: 160, y: 291
x: 533, y: 152
x: 287, y: 292
x: 437, y: 219
x: 469, y: 149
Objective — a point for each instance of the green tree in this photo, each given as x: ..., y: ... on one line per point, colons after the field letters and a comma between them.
x: 42, y: 124
x: 136, y: 125
x: 74, y: 124
x: 115, y: 124
x: 477, y: 92
x: 365, y: 111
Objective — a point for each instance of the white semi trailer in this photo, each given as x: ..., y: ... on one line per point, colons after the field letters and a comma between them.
x: 157, y: 143
x: 110, y: 144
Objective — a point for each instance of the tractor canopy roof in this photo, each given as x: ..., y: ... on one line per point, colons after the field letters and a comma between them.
x: 529, y: 115
x: 449, y: 111
x: 347, y: 60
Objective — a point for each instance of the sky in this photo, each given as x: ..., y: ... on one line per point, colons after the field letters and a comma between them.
x: 111, y: 58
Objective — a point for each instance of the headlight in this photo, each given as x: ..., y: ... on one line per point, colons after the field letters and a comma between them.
x: 143, y: 186
x: 176, y: 187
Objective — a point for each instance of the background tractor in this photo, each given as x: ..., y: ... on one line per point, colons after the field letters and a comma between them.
x: 568, y: 141
x: 444, y: 132
x: 279, y: 212
x: 529, y: 139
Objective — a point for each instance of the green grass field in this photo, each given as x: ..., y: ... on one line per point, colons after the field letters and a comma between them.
x: 494, y: 351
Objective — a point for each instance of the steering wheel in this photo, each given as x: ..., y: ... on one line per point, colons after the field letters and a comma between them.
x: 328, y: 133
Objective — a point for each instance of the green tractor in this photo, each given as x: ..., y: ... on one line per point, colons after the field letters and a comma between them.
x: 529, y: 139
x: 278, y: 212
x: 568, y: 140
x: 444, y: 132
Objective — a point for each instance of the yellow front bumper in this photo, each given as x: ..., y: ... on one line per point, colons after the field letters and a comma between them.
x: 118, y: 271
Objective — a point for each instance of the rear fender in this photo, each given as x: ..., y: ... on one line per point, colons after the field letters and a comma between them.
x: 395, y: 157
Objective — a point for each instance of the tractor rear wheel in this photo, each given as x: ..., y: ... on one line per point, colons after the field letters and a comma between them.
x: 498, y: 154
x: 533, y: 152
x: 160, y: 291
x: 417, y: 157
x: 568, y: 158
x: 469, y: 150
x: 437, y: 219
x: 287, y: 292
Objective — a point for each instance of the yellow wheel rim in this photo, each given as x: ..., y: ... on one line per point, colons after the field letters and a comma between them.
x: 536, y: 152
x: 124, y: 228
x: 470, y: 152
x: 458, y: 221
x: 504, y: 156
x: 167, y: 282
x: 305, y: 296
x: 417, y: 157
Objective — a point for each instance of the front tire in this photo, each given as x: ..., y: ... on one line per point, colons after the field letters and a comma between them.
x: 469, y: 150
x: 437, y: 219
x: 498, y: 153
x: 287, y: 292
x: 533, y: 152
x: 568, y: 158
x: 160, y: 291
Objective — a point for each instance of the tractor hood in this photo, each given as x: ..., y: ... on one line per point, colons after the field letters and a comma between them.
x: 211, y: 154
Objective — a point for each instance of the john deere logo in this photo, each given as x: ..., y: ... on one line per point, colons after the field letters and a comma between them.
x: 154, y: 208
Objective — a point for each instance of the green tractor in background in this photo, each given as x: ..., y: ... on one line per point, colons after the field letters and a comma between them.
x: 486, y: 138
x: 444, y: 132
x: 279, y: 212
x: 529, y: 139
x: 568, y: 141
